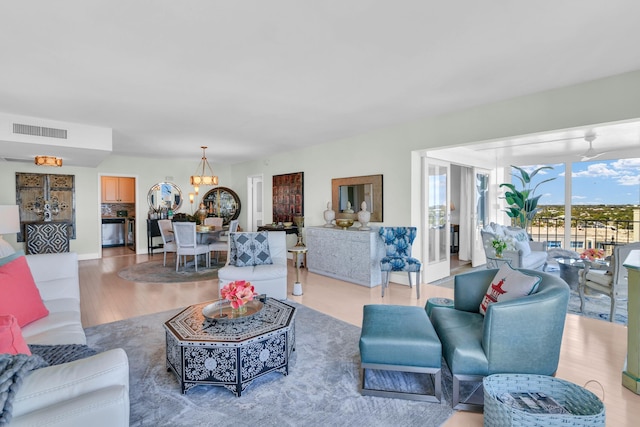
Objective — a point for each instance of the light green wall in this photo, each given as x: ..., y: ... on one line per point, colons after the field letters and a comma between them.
x: 389, y: 151
x: 386, y: 151
x: 87, y: 193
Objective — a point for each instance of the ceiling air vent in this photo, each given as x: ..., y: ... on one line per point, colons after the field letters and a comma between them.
x: 39, y: 131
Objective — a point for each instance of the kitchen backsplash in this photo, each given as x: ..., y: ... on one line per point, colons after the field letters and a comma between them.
x: 111, y: 209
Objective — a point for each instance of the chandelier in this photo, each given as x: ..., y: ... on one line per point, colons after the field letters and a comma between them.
x: 201, y: 177
x: 48, y: 161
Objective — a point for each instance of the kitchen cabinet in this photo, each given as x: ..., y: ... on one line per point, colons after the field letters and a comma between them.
x: 118, y: 190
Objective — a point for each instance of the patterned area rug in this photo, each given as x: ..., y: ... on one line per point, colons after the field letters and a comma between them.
x: 322, y: 388
x: 155, y: 272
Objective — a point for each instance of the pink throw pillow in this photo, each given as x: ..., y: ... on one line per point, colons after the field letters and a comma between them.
x: 18, y: 293
x: 509, y: 284
x: 11, y: 340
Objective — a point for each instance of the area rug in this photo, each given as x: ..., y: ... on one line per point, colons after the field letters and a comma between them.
x: 154, y: 272
x: 322, y: 388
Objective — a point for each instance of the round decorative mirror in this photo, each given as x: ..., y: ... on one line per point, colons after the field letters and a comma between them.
x: 223, y: 203
x: 165, y: 195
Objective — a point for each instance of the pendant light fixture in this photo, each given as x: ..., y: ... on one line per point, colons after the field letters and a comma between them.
x: 201, y: 177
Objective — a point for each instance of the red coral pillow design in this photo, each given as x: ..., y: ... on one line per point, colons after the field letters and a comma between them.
x: 509, y: 284
x: 19, y: 295
x: 11, y: 340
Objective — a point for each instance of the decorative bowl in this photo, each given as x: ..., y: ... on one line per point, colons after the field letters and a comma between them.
x: 287, y: 224
x: 344, y: 223
x: 204, y: 228
x: 221, y: 311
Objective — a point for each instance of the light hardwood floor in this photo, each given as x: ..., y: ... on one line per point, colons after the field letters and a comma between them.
x: 591, y: 349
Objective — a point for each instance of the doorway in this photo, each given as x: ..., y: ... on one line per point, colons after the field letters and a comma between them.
x: 117, y: 215
x: 455, y: 208
x: 255, y: 196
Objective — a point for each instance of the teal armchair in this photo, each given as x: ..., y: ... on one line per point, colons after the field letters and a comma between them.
x: 518, y: 336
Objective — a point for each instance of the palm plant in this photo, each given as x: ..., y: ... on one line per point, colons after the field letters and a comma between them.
x: 523, y: 203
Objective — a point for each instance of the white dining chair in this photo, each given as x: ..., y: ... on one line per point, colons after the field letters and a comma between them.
x: 221, y: 245
x: 168, y: 239
x: 187, y: 244
x: 216, y: 222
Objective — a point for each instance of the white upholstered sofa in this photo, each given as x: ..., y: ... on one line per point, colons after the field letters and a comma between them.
x: 522, y: 252
x: 270, y: 279
x: 88, y: 392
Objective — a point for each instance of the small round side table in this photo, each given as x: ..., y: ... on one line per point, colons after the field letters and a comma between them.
x: 297, y: 251
x: 438, y: 302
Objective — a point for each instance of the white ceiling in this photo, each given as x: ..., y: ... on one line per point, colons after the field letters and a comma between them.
x: 609, y: 141
x: 250, y: 78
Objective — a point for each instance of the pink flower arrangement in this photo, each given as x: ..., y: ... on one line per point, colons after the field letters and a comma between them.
x: 238, y: 293
x: 592, y: 254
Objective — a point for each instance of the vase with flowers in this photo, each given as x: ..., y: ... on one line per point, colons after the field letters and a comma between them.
x: 238, y: 293
x: 499, y: 245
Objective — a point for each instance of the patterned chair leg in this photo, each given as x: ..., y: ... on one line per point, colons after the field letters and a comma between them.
x: 417, y: 282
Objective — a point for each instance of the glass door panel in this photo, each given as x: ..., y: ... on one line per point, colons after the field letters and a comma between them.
x: 481, y: 214
x: 436, y: 219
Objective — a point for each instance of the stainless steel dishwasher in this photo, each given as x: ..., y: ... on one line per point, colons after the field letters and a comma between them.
x: 112, y: 232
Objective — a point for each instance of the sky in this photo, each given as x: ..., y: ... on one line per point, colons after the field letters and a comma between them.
x: 610, y: 182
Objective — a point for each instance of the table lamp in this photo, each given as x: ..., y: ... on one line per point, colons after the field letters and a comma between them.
x: 9, y: 224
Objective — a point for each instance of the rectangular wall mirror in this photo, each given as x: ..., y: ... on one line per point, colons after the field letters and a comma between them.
x: 353, y: 191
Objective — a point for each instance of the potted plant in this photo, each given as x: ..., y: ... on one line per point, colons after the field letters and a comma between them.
x: 523, y: 203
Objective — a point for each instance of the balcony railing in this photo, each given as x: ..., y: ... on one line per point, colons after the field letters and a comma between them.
x: 585, y: 233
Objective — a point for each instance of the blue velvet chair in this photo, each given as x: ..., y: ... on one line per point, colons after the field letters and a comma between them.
x: 519, y: 336
x: 397, y: 244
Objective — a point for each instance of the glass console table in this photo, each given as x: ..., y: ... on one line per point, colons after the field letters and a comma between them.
x: 497, y: 262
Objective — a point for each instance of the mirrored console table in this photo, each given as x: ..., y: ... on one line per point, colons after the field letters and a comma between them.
x: 350, y: 255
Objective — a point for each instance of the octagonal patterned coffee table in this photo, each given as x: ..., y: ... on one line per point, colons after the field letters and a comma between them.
x: 230, y: 353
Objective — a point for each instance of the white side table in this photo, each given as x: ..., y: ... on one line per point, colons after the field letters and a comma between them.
x: 297, y: 251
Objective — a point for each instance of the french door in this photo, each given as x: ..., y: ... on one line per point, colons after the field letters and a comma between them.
x: 481, y: 214
x: 436, y: 216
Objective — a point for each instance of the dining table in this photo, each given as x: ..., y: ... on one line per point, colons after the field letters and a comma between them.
x: 210, y: 236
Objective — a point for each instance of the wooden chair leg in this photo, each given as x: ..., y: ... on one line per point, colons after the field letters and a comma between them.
x: 385, y: 282
x: 581, y: 287
x: 612, y: 313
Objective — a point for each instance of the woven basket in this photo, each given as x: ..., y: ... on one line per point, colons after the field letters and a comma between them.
x: 585, y: 408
